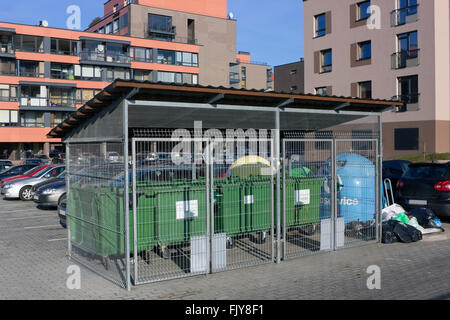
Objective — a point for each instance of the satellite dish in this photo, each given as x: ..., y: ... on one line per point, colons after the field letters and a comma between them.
x: 231, y: 15
x: 44, y: 23
x: 101, y: 48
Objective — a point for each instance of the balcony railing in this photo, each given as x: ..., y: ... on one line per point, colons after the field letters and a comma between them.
x: 105, y: 57
x: 404, y: 59
x: 404, y: 15
x: 327, y: 68
x: 7, y: 98
x: 7, y: 48
x: 64, y: 53
x: 411, y: 102
x: 31, y: 74
x: 54, y: 102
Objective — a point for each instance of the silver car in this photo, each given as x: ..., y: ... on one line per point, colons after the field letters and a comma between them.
x: 22, y: 188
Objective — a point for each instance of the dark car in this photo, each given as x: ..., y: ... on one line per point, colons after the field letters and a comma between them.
x: 393, y: 170
x: 49, y: 193
x: 426, y: 185
x: 5, y: 165
x: 16, y: 170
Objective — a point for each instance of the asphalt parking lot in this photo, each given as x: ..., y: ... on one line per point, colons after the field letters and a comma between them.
x: 34, y: 265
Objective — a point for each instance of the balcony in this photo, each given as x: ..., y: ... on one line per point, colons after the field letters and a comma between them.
x: 46, y: 102
x: 234, y: 78
x: 411, y: 102
x: 404, y: 15
x: 7, y: 49
x: 405, y: 59
x: 108, y: 58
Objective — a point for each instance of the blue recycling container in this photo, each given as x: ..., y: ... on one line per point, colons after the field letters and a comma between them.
x: 357, y: 197
x: 356, y: 191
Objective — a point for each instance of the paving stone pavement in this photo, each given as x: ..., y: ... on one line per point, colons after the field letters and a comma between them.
x: 33, y: 265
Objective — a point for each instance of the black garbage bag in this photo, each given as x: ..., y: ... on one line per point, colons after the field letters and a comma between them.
x: 407, y: 233
x: 388, y: 236
x: 426, y: 218
x: 395, y: 231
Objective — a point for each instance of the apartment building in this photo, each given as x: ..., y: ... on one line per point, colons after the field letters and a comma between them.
x: 248, y: 74
x: 202, y: 22
x: 385, y: 49
x: 290, y: 77
x: 47, y: 73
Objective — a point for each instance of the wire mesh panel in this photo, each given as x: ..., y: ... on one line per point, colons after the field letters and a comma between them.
x: 170, y: 209
x: 243, y: 203
x: 95, y: 208
x: 307, y: 196
x: 357, y: 172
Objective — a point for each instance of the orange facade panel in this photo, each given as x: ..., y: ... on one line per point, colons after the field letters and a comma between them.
x: 79, y: 83
x: 47, y: 57
x: 26, y: 135
x: 6, y: 105
x: 211, y: 8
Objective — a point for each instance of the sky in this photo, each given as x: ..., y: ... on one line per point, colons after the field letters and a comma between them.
x: 271, y: 32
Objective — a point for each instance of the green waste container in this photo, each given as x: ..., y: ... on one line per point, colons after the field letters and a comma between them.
x: 303, y: 201
x: 258, y: 203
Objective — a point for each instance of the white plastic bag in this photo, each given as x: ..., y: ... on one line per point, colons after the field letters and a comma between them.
x: 391, y: 212
x: 414, y: 223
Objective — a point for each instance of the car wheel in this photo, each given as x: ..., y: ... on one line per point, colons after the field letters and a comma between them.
x: 60, y: 201
x: 25, y: 193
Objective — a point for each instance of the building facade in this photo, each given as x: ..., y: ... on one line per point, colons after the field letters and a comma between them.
x: 203, y: 22
x: 385, y: 49
x: 47, y: 73
x: 290, y: 77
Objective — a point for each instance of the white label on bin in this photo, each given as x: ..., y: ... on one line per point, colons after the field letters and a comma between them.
x: 187, y: 209
x: 248, y: 199
x: 302, y: 197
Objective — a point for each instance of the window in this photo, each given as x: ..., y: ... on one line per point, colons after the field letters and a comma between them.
x: 408, y: 42
x: 7, y: 67
x: 115, y: 8
x: 62, y: 71
x: 160, y: 27
x: 409, y: 89
x: 364, y: 50
x: 29, y: 69
x: 406, y: 139
x: 29, y: 43
x: 124, y: 21
x: 365, y: 90
x: 108, y: 28
x: 326, y: 61
x: 141, y: 54
x: 117, y: 73
x: 293, y: 72
x: 64, y: 47
x: 294, y: 88
x: 363, y: 10
x: 321, y: 91
x: 8, y: 118
x: 320, y: 25
x: 32, y: 119
x: 88, y: 72
x: 143, y: 75
x: 101, y: 30
x: 406, y: 8
x: 166, y: 56
x: 116, y: 26
x: 8, y: 92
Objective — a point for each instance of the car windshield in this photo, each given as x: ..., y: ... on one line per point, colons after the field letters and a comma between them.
x: 42, y: 172
x: 62, y: 175
x: 428, y: 172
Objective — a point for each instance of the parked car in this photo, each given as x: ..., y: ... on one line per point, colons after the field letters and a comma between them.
x: 21, y: 188
x: 393, y: 170
x: 113, y: 157
x: 426, y: 185
x: 27, y: 174
x: 5, y: 165
x: 49, y: 193
x: 62, y: 208
x: 16, y: 170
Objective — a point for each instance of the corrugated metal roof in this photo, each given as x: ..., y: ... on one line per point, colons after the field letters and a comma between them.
x: 152, y: 91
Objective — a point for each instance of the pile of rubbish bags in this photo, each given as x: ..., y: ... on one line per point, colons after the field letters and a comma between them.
x: 407, y: 227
